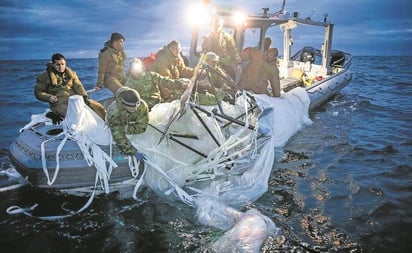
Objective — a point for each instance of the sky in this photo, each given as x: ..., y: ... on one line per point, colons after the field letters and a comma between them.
x: 35, y: 29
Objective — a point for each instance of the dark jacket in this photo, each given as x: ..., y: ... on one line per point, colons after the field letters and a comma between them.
x: 61, y: 85
x: 170, y: 66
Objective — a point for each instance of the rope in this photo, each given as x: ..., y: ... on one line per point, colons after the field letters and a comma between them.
x: 43, y: 158
x: 134, y: 166
x: 27, y: 211
x: 184, y: 196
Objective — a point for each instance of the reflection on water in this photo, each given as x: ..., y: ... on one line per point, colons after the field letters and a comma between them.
x: 305, y: 209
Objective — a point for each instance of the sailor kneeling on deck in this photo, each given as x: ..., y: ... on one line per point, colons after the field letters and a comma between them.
x: 213, y: 83
x: 152, y: 87
x: 128, y: 114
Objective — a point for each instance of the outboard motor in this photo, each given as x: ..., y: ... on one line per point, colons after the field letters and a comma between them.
x: 337, y: 58
x: 308, y: 54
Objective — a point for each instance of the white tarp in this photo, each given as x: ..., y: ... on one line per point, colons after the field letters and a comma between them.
x: 234, y: 173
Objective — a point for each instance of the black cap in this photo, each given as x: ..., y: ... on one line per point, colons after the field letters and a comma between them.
x: 117, y: 36
x: 130, y: 98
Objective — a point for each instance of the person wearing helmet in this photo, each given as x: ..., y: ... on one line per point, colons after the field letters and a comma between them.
x: 212, y: 59
x: 153, y: 86
x: 128, y: 114
x: 213, y: 83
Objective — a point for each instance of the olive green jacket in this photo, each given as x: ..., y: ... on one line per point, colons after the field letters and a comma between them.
x: 111, y: 64
x: 122, y: 122
x: 223, y: 45
x: 61, y: 85
x: 170, y: 66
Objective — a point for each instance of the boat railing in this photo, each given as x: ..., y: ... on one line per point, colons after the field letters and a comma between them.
x: 348, y: 60
x: 91, y: 90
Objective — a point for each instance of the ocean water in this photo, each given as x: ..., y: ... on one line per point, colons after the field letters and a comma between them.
x: 342, y: 184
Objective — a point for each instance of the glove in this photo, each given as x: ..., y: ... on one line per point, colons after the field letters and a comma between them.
x: 56, y: 118
x: 140, y: 156
x: 86, y: 100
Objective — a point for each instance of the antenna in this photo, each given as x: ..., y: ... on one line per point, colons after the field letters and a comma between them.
x: 325, y: 17
x: 283, y: 7
x: 265, y: 12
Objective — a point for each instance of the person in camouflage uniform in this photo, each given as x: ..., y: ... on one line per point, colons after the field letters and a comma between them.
x: 111, y: 64
x: 223, y: 44
x: 57, y: 84
x: 169, y: 62
x: 128, y: 114
x: 149, y: 84
x: 213, y: 83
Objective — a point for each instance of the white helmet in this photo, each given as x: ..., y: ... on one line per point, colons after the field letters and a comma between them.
x: 211, y: 57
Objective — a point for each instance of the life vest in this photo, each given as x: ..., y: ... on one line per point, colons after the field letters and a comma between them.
x: 148, y: 61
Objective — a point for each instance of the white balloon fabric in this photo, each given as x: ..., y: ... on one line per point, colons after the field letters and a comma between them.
x: 82, y: 119
x: 84, y: 126
x: 232, y: 166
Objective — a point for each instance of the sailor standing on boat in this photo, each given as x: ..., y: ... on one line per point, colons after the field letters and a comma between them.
x: 111, y: 64
x: 57, y: 84
x: 266, y: 43
x: 223, y: 44
x: 128, y: 114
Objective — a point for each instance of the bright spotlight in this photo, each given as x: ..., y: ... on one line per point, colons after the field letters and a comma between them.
x: 238, y: 18
x: 197, y: 15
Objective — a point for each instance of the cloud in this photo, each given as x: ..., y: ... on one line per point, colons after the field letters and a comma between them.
x: 78, y: 29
